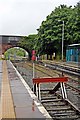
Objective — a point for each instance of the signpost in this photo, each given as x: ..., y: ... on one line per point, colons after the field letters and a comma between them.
x: 33, y: 59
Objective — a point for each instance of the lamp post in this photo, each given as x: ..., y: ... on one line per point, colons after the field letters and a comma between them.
x: 62, y: 44
x: 62, y: 40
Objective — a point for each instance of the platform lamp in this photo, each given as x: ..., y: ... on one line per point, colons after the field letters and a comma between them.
x: 62, y: 40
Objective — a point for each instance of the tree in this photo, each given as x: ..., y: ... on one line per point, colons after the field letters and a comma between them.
x: 50, y: 32
x: 49, y: 37
x: 28, y: 43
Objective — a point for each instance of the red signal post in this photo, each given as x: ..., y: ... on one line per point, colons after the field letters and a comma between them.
x: 33, y: 58
x: 33, y: 52
x: 33, y: 55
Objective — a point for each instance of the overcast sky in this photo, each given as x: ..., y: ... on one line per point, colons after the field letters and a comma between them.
x: 23, y: 17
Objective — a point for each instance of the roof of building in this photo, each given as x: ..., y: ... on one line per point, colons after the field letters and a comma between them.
x: 11, y: 36
x: 74, y: 44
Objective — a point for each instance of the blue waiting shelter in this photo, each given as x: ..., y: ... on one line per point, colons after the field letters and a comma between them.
x: 73, y: 53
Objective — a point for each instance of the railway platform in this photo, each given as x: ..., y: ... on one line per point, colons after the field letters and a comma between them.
x: 16, y: 98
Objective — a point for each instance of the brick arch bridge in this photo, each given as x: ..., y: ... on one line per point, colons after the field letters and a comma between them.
x: 8, y: 41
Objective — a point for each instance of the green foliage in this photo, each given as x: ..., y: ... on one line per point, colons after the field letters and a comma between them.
x: 14, y: 52
x: 49, y: 37
x: 50, y: 32
x: 28, y: 42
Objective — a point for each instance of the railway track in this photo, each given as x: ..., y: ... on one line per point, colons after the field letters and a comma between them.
x: 57, y: 107
x: 66, y: 68
x: 72, y: 83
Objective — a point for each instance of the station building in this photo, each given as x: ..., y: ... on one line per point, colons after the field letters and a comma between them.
x: 73, y: 53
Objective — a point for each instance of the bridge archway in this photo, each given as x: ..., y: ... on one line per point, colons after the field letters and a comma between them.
x: 8, y: 42
x: 16, y: 53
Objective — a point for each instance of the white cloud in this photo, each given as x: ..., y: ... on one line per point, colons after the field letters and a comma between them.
x: 25, y: 16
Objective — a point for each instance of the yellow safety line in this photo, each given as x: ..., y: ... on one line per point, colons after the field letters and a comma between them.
x: 7, y: 107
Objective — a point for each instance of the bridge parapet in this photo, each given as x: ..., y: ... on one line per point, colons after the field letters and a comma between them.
x: 7, y: 42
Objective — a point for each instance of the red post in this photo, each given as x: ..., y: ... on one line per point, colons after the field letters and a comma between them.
x: 33, y: 59
x: 33, y: 52
x: 33, y: 55
x: 33, y: 105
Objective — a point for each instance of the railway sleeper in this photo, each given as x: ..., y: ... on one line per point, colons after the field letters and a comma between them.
x: 62, y: 115
x: 53, y: 100
x: 44, y: 95
x: 66, y: 118
x: 62, y: 111
x: 43, y: 90
x: 59, y: 108
x: 54, y: 104
x: 65, y: 114
x: 48, y: 98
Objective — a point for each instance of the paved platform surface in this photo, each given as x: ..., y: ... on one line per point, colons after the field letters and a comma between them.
x: 0, y: 75
x: 20, y: 101
x: 0, y: 83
